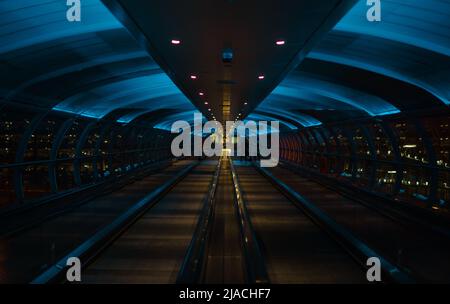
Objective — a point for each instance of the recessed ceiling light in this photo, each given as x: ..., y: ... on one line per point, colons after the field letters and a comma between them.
x: 261, y: 77
x: 280, y: 42
x: 206, y: 102
x: 175, y: 41
x: 201, y: 93
x: 209, y: 109
x: 193, y: 77
x: 245, y: 103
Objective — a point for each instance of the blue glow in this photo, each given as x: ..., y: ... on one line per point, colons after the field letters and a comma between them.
x: 299, y: 87
x: 262, y: 117
x: 423, y: 24
x: 87, y: 115
x: 301, y: 119
x: 127, y: 78
x: 410, y: 44
x: 80, y: 66
x: 379, y: 68
x: 167, y: 122
x: 23, y: 24
x: 140, y: 92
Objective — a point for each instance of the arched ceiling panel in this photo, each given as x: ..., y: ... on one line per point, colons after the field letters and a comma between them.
x: 136, y: 92
x: 303, y: 92
x: 89, y: 68
x: 267, y: 117
x: 411, y: 43
x: 374, y: 68
x: 301, y: 119
x: 95, y: 67
x: 188, y: 116
x: 24, y: 23
x: 423, y: 24
x: 422, y: 68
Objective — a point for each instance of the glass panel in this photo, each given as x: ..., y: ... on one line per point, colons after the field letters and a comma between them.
x: 363, y: 172
x: 361, y: 143
x: 103, y: 167
x: 107, y: 142
x: 305, y: 142
x: 321, y: 147
x: 64, y: 175
x: 332, y: 148
x: 7, y: 194
x: 13, y: 123
x: 69, y: 143
x: 40, y: 144
x: 444, y: 189
x: 105, y: 150
x: 89, y: 145
x: 86, y: 172
x: 347, y: 168
x: 386, y: 175
x: 411, y: 145
x: 415, y: 184
x: 383, y: 146
x: 439, y: 132
x: 332, y: 165
x: 36, y: 182
x: 284, y: 149
x: 312, y: 141
x: 345, y: 148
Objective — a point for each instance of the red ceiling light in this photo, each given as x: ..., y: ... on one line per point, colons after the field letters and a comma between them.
x: 261, y: 77
x: 280, y: 42
x: 175, y: 41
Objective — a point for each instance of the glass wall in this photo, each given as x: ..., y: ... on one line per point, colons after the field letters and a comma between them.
x: 438, y: 131
x: 403, y: 158
x: 13, y: 124
x: 42, y: 154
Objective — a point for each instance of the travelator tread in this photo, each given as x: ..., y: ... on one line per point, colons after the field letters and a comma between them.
x: 152, y: 249
x: 50, y: 240
x: 295, y: 248
x: 419, y: 251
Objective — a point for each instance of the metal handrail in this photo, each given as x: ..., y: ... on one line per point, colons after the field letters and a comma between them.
x: 354, y: 246
x: 256, y: 266
x: 92, y: 247
x: 194, y: 261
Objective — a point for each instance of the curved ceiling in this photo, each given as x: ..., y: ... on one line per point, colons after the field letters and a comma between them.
x: 374, y: 68
x: 412, y: 43
x: 90, y: 68
x: 188, y: 39
x: 95, y: 68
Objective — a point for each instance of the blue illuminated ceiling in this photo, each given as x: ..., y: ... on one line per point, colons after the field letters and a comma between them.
x: 411, y: 43
x: 374, y: 68
x: 188, y: 116
x: 419, y: 23
x: 95, y: 68
x: 89, y: 68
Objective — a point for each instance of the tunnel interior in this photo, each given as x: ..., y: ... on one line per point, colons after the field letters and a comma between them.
x: 88, y: 106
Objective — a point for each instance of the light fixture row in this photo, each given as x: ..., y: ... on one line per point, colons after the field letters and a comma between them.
x: 174, y: 41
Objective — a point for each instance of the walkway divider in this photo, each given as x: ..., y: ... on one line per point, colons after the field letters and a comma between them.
x: 195, y: 259
x: 357, y: 248
x: 256, y: 266
x: 89, y: 249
